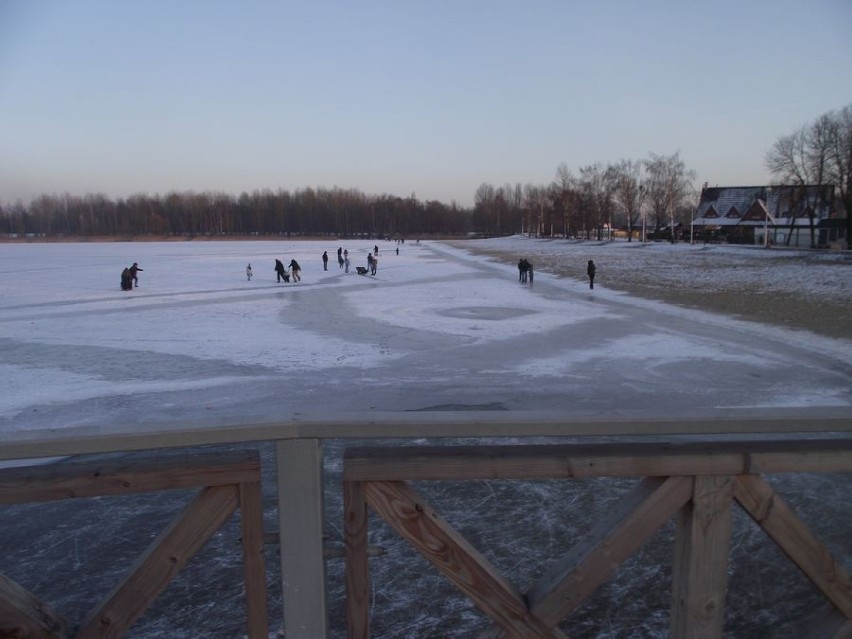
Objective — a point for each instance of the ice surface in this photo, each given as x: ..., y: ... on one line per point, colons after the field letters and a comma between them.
x: 435, y: 326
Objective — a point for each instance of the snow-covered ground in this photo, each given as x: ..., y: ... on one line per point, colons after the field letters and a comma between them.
x: 705, y: 267
x: 438, y: 328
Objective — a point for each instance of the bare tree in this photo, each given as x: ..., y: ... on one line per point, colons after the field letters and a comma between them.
x: 563, y: 193
x: 668, y: 184
x: 597, y: 197
x: 805, y: 159
x: 483, y: 210
x: 840, y: 170
x: 625, y: 178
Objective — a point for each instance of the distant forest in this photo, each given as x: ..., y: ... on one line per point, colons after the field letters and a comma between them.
x: 599, y: 199
x: 308, y: 212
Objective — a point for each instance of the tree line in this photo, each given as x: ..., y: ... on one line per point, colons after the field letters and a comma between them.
x: 307, y: 212
x: 657, y: 193
x: 637, y: 196
x: 653, y: 193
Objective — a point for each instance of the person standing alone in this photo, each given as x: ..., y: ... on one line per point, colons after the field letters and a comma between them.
x: 590, y: 271
x: 325, y: 260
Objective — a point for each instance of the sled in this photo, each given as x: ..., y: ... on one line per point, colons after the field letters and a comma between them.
x: 361, y: 270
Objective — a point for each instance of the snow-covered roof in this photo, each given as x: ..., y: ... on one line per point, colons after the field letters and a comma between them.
x: 750, y: 205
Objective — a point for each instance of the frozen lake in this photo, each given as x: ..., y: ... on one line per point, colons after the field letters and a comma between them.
x: 435, y: 328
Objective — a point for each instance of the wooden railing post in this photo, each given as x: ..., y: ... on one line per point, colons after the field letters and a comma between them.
x: 300, y: 520
x: 702, y: 540
x: 357, y: 566
x: 251, y: 522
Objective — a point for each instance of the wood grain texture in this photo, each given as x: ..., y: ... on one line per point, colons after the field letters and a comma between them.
x: 254, y: 566
x: 455, y: 558
x: 699, y: 576
x: 633, y: 459
x: 357, y: 566
x: 130, y: 474
x: 24, y: 616
x: 166, y: 556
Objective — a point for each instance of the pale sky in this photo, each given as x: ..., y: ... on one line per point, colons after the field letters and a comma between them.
x: 400, y: 97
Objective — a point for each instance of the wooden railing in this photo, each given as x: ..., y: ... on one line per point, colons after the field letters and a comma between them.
x: 299, y: 475
x: 696, y: 483
x: 227, y: 481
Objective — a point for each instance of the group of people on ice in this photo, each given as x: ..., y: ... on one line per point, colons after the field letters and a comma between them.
x: 342, y: 259
x: 129, y: 277
x: 525, y: 272
x: 284, y: 273
x: 342, y: 262
x: 373, y: 260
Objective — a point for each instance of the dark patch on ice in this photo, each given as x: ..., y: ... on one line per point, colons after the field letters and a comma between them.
x: 461, y: 407
x: 120, y: 364
x: 485, y: 312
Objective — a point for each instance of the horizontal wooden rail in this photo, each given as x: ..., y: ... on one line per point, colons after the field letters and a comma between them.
x: 597, y: 460
x: 125, y: 475
x: 24, y: 444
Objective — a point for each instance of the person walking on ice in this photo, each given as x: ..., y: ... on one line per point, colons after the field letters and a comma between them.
x: 590, y: 271
x: 279, y: 270
x: 296, y: 270
x: 325, y: 260
x: 248, y: 272
x: 133, y: 276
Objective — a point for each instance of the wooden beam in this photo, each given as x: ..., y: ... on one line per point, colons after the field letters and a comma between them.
x: 251, y: 523
x: 793, y: 537
x: 23, y: 616
x: 626, y: 527
x: 169, y: 553
x: 633, y: 459
x: 455, y: 558
x: 129, y: 474
x: 357, y: 567
x: 699, y: 577
x: 48, y: 442
x: 829, y: 623
x: 300, y: 520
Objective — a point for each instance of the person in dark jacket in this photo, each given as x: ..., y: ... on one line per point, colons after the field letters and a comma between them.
x: 133, y: 271
x: 325, y: 260
x: 279, y: 270
x: 296, y: 270
x: 126, y: 280
x: 590, y: 271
